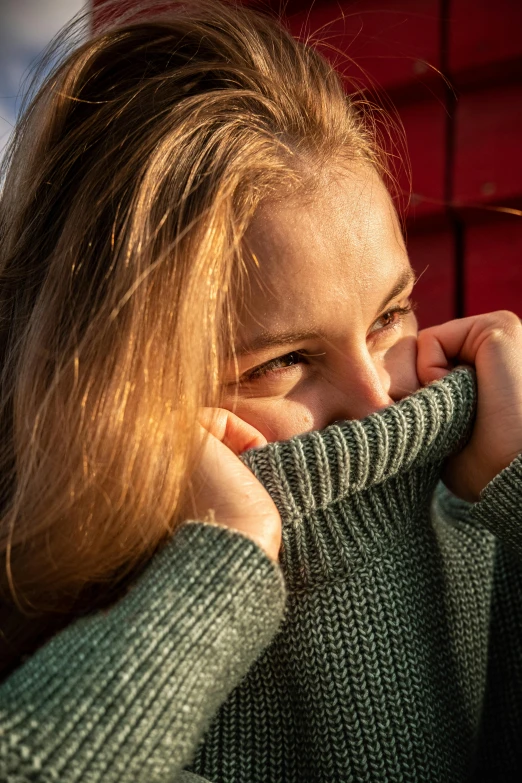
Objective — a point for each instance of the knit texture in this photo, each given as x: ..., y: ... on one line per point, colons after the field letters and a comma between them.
x: 125, y: 695
x: 380, y: 671
x: 398, y: 658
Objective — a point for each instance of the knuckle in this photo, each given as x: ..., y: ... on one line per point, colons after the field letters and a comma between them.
x: 507, y: 318
x: 503, y: 322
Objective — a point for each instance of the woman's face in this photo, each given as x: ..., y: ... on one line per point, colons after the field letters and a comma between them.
x: 326, y: 330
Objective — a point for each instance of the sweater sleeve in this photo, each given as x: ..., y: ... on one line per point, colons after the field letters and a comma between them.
x: 125, y: 694
x: 499, y: 508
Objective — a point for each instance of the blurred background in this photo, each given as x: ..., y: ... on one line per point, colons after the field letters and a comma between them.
x: 26, y: 27
x: 453, y: 70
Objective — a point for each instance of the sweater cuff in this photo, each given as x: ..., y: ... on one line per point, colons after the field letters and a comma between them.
x: 499, y: 507
x: 125, y: 694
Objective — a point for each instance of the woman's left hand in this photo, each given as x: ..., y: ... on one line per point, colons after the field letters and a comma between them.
x: 492, y: 343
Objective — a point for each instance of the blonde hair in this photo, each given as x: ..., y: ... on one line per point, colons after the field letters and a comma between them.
x: 131, y: 180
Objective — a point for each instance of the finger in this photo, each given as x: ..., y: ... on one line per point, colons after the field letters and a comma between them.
x: 462, y: 340
x: 235, y: 433
x: 432, y: 362
x: 441, y: 346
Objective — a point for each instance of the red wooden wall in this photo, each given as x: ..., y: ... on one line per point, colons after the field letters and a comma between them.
x: 453, y: 69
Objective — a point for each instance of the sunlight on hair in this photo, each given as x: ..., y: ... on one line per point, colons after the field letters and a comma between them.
x: 147, y: 150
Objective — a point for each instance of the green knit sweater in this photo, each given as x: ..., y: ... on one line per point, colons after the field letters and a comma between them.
x: 386, y: 646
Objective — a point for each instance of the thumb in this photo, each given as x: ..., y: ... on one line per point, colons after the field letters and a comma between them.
x: 432, y: 362
x: 441, y: 347
x: 231, y: 430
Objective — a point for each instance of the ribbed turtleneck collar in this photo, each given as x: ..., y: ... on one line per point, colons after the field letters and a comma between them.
x: 346, y: 491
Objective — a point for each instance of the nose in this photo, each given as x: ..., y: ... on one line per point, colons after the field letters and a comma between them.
x: 363, y: 388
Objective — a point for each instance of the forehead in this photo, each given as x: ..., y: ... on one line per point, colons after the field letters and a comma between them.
x: 340, y: 248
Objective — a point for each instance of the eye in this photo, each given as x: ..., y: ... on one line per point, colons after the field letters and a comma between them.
x: 280, y: 363
x: 392, y: 318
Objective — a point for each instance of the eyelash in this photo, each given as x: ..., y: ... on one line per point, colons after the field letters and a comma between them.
x: 401, y: 312
x: 275, y: 364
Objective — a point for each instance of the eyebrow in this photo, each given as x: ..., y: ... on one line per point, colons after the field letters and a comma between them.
x: 270, y: 339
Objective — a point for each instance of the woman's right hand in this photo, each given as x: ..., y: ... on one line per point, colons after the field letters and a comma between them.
x: 225, y: 488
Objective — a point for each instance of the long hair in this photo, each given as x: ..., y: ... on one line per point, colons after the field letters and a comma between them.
x: 128, y: 187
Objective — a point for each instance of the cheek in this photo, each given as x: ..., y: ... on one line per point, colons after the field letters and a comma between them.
x: 276, y: 419
x: 401, y: 365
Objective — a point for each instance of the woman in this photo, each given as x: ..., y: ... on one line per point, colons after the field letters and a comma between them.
x: 199, y: 257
